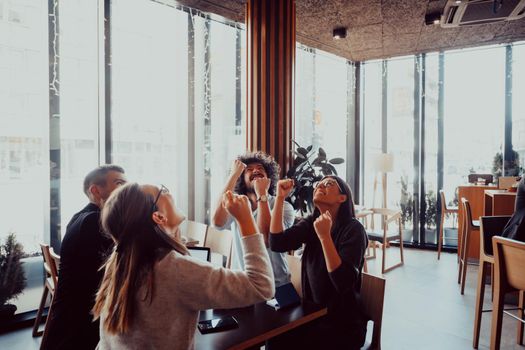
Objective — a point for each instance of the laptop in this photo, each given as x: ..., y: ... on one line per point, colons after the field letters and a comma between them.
x: 285, y: 296
x: 201, y: 253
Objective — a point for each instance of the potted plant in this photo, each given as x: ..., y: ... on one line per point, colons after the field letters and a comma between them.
x: 12, y: 275
x: 306, y: 170
x: 406, y: 202
x: 431, y: 210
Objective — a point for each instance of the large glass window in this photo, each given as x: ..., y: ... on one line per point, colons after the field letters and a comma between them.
x: 79, y: 98
x: 518, y: 103
x: 474, y: 113
x: 24, y: 135
x: 149, y: 89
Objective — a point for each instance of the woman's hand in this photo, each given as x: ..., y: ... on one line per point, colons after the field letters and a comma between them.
x: 240, y: 208
x: 323, y: 225
x: 284, y: 187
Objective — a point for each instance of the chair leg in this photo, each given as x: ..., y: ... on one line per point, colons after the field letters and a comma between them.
x: 479, y: 304
x: 465, y: 262
x: 441, y: 229
x: 497, y: 318
x: 44, y: 336
x: 383, y: 258
x: 520, y: 315
x: 38, y: 319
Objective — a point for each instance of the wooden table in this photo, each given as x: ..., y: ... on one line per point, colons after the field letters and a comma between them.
x: 499, y: 202
x: 476, y: 196
x: 257, y: 324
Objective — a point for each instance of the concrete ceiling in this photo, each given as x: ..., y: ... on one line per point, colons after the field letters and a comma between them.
x: 376, y: 28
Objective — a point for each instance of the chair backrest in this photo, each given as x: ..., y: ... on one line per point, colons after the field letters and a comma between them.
x: 490, y: 226
x: 49, y: 266
x: 220, y: 241
x: 387, y: 216
x: 372, y: 297
x: 294, y: 266
x: 55, y: 257
x: 509, y: 260
x: 468, y: 212
x: 194, y: 231
x: 506, y: 182
x: 443, y: 201
x: 473, y: 178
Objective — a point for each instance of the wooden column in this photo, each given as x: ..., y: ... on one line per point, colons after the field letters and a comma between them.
x: 270, y: 27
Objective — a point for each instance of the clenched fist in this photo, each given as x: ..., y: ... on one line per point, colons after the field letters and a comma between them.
x: 261, y: 186
x: 237, y: 168
x: 237, y: 205
x: 284, y: 187
x: 323, y: 225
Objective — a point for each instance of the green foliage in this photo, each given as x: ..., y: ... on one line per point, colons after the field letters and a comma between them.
x: 12, y: 275
x: 512, y: 166
x: 306, y: 171
x: 431, y: 209
x: 406, y: 201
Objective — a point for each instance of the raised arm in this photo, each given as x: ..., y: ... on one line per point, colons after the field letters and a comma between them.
x: 284, y: 188
x: 261, y: 186
x: 220, y: 215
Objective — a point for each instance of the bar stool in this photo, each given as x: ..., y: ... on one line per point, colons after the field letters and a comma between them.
x: 470, y: 226
x: 444, y: 212
x: 50, y: 284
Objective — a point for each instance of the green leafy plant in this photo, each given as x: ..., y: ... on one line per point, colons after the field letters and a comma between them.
x: 12, y: 275
x: 430, y: 209
x: 308, y: 168
x: 512, y: 166
x: 406, y: 201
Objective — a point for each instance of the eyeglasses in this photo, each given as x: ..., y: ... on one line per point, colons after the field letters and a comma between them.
x: 163, y: 189
x: 327, y: 184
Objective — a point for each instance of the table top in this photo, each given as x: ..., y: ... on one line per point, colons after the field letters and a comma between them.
x: 257, y: 323
x: 499, y: 193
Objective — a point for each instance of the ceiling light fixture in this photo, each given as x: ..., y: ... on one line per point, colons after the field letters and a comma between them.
x: 432, y: 18
x: 339, y: 33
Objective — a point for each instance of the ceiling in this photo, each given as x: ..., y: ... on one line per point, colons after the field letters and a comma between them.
x: 376, y: 28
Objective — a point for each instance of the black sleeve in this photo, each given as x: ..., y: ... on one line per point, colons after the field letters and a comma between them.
x: 351, y: 249
x: 292, y: 238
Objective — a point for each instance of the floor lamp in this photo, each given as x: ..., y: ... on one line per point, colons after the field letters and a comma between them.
x: 383, y: 163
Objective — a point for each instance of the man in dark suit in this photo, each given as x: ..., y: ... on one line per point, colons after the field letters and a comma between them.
x: 515, y: 228
x: 83, y: 251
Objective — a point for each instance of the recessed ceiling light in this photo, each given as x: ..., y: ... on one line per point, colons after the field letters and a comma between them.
x: 433, y: 18
x: 458, y: 1
x: 339, y: 33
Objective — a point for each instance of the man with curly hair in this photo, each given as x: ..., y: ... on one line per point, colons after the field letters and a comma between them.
x: 255, y: 174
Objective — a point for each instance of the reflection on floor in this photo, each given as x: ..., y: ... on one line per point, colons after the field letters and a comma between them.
x: 423, y: 307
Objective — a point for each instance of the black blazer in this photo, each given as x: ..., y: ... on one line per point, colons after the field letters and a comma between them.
x: 83, y: 251
x: 515, y: 228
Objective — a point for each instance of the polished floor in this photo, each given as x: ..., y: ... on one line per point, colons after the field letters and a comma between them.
x: 423, y: 308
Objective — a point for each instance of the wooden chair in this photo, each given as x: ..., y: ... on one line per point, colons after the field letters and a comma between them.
x: 506, y: 182
x: 50, y: 283
x: 194, y: 231
x: 490, y: 226
x: 385, y: 236
x: 469, y: 228
x: 445, y: 210
x: 372, y: 297
x: 509, y: 276
x: 220, y: 241
x: 294, y: 266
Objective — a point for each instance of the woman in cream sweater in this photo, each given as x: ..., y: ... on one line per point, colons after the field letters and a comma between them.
x: 153, y: 289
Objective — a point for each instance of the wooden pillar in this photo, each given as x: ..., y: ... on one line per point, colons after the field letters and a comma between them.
x: 270, y: 26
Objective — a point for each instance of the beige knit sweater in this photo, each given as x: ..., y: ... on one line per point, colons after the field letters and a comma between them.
x: 185, y: 285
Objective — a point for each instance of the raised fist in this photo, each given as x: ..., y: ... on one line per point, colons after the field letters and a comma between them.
x: 284, y: 187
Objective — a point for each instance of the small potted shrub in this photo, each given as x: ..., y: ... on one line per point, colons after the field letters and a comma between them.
x: 12, y: 275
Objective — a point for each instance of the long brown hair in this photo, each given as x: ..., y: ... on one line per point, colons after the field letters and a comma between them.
x: 139, y: 244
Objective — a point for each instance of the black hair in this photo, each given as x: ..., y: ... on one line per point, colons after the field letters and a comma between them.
x: 271, y: 167
x: 346, y: 210
x: 97, y: 176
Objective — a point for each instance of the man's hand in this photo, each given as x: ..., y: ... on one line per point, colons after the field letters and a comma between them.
x: 261, y: 186
x: 323, y: 225
x: 237, y: 168
x: 284, y: 187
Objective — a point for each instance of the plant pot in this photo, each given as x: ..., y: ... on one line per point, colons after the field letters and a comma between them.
x: 7, y: 311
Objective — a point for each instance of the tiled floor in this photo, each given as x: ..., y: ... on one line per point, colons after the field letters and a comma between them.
x: 423, y: 308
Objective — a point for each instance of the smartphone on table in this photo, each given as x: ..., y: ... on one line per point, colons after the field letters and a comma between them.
x: 217, y: 324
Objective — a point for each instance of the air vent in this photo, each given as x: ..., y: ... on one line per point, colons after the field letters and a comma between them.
x: 471, y: 12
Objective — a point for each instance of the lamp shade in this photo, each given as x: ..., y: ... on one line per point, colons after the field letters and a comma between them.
x: 384, y: 163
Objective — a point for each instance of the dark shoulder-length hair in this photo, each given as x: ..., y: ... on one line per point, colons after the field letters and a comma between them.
x: 269, y: 164
x: 139, y: 244
x: 347, y: 210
